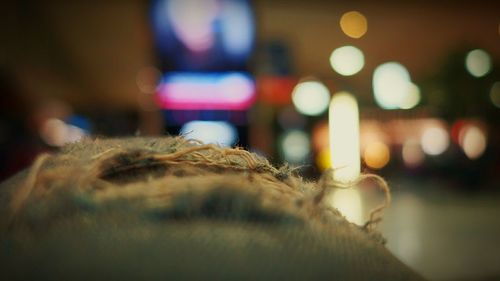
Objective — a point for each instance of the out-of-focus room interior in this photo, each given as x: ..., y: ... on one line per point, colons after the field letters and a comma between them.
x: 261, y: 75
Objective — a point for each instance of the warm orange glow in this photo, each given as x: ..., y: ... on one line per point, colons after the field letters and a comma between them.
x: 376, y: 155
x: 320, y: 136
x: 354, y: 24
x: 372, y: 131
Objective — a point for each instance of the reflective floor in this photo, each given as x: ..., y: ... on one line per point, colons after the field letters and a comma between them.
x: 442, y: 233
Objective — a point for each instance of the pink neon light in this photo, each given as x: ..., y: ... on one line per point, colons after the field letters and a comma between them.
x: 191, y: 92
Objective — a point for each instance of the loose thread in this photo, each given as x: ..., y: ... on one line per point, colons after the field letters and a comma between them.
x: 326, y: 181
x: 223, y: 160
x: 375, y: 216
x: 25, y: 190
x: 99, y: 155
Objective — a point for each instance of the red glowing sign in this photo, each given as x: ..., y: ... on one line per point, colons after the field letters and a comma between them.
x: 276, y: 90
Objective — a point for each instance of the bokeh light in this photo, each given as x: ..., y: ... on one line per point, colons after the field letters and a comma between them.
x: 412, y: 97
x: 320, y: 136
x: 192, y: 22
x: 295, y: 146
x: 344, y: 137
x: 323, y: 159
x: 56, y: 132
x: 348, y: 202
x: 236, y: 27
x: 376, y: 155
x: 434, y: 140
x: 391, y: 84
x: 311, y: 97
x: 53, y: 132
x: 412, y: 153
x: 372, y: 131
x: 217, y: 132
x: 275, y: 89
x: 473, y: 141
x: 495, y: 94
x: 478, y: 62
x: 208, y: 90
x: 201, y: 35
x: 354, y: 24
x: 347, y: 60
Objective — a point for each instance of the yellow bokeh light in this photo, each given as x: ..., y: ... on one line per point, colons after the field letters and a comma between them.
x: 323, y: 159
x: 354, y: 24
x: 376, y: 155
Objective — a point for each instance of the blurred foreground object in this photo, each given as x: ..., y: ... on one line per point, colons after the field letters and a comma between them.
x: 170, y: 208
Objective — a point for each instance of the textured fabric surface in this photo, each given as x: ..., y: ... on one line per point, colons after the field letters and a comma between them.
x: 168, y: 208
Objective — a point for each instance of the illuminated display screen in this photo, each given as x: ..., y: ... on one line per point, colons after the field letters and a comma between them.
x: 203, y: 47
x: 206, y: 91
x: 203, y: 35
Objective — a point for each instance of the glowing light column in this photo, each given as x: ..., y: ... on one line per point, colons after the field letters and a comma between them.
x: 345, y: 154
x: 344, y: 137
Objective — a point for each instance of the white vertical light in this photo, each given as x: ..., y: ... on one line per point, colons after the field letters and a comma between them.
x: 344, y: 137
x: 349, y: 203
